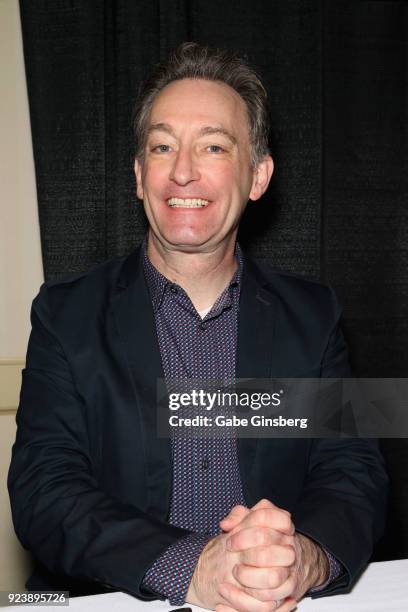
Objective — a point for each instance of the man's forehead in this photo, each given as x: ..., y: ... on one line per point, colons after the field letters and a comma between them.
x: 198, y: 97
x: 206, y: 106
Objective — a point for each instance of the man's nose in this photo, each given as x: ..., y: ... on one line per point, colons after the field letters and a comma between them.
x: 185, y: 168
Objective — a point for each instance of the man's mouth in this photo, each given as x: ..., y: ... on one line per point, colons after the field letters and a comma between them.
x: 187, y: 202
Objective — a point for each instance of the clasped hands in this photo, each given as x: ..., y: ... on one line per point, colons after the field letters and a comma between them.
x: 258, y: 563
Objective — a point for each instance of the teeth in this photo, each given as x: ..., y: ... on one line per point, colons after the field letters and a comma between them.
x: 187, y: 203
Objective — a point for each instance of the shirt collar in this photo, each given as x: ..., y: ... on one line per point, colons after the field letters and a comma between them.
x: 157, y: 283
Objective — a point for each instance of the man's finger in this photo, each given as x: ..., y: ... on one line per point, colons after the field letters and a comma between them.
x: 232, y: 519
x: 287, y: 589
x: 287, y: 605
x: 251, y: 537
x: 241, y: 601
x: 261, y: 577
x: 270, y: 556
x: 275, y: 518
x: 237, y: 513
x: 263, y: 503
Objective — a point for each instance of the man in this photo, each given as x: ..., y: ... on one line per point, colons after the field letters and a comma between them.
x: 247, y: 525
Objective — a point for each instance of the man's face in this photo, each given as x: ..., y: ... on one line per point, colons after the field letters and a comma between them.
x: 196, y: 176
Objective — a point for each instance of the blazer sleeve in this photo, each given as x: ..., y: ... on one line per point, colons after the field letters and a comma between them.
x: 60, y: 512
x: 343, y: 502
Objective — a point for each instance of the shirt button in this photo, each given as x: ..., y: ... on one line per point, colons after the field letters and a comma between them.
x: 205, y: 463
x: 173, y: 289
x: 203, y: 325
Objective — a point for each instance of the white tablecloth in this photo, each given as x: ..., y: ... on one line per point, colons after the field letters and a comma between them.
x: 383, y: 587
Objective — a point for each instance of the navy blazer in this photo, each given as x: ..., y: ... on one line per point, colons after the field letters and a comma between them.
x: 90, y: 481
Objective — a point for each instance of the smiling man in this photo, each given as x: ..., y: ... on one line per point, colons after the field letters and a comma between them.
x: 248, y: 525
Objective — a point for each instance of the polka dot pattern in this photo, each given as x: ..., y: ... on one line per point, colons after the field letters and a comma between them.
x: 335, y: 569
x: 202, y: 493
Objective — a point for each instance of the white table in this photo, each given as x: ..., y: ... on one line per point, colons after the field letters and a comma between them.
x: 383, y: 587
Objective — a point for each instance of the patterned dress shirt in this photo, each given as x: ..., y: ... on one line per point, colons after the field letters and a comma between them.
x: 202, y: 493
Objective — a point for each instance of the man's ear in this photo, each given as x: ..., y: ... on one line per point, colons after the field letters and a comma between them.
x: 262, y: 175
x: 138, y: 175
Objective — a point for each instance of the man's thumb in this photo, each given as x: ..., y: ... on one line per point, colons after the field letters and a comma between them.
x: 232, y: 519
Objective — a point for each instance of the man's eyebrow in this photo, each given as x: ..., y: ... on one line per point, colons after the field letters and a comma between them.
x: 208, y: 130
x: 205, y: 131
x: 160, y: 127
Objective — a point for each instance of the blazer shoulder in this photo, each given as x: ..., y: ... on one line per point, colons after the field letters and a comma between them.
x: 297, y: 293
x: 282, y: 280
x: 88, y: 292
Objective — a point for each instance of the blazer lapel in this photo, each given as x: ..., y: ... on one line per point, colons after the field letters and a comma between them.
x: 254, y: 351
x: 135, y: 321
x: 256, y: 326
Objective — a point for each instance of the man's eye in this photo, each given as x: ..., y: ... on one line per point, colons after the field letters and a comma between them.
x: 215, y: 149
x: 161, y: 148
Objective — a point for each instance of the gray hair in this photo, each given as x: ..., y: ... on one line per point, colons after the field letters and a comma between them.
x: 193, y: 61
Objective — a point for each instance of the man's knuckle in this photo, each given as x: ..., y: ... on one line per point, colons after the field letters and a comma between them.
x: 290, y: 541
x: 267, y: 595
x: 292, y: 582
x: 286, y: 521
x: 291, y: 555
x: 265, y: 538
x: 261, y: 516
x: 262, y: 557
x: 239, y: 573
x: 282, y: 539
x: 259, y: 594
x: 274, y: 578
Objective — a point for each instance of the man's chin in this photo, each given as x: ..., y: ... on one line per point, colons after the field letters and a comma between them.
x: 190, y: 243
x: 190, y: 247
x: 187, y: 243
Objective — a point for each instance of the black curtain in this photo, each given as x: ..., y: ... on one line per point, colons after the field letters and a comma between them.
x: 337, y: 77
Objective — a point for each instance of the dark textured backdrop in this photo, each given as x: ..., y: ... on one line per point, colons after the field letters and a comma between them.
x: 336, y: 72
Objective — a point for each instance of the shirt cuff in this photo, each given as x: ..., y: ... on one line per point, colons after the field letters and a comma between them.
x: 335, y: 570
x: 170, y: 575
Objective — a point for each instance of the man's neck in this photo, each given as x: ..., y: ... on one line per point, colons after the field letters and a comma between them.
x: 203, y: 276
